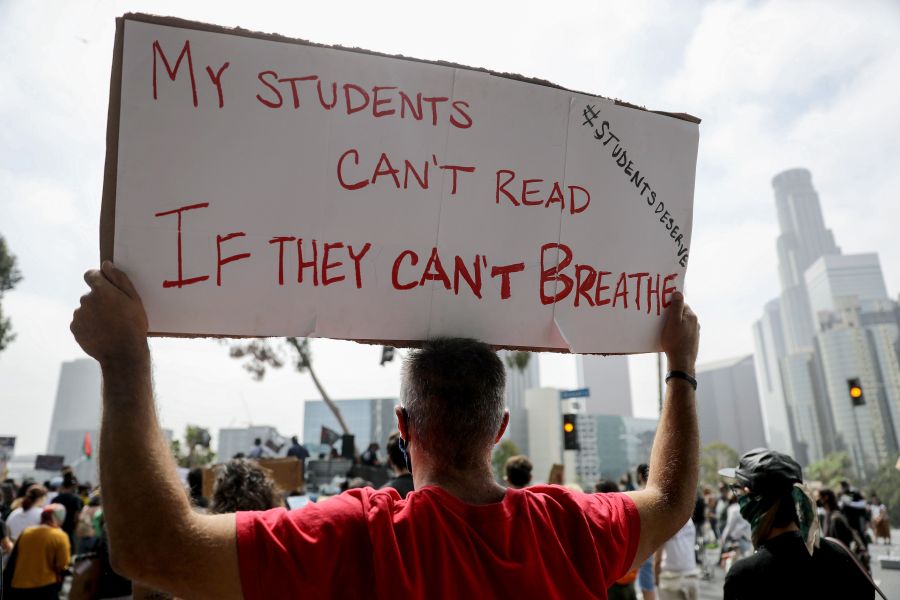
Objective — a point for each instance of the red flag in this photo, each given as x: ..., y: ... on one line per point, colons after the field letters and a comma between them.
x: 86, y: 448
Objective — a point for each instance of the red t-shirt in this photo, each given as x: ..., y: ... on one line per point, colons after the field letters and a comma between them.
x: 540, y: 542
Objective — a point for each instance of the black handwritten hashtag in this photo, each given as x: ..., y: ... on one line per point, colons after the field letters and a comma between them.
x: 589, y: 115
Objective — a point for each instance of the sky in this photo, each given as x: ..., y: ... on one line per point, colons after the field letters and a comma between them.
x: 777, y: 84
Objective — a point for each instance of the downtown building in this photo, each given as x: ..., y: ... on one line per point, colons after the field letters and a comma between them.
x: 76, y: 415
x: 369, y: 420
x: 728, y: 408
x: 519, y: 379
x: 832, y: 322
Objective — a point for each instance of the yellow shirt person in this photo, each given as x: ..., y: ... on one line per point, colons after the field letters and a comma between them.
x: 43, y: 552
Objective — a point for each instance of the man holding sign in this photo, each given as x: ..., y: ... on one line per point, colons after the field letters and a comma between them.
x: 458, y: 534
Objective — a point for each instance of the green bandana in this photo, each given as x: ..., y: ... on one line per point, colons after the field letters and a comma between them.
x: 753, y: 508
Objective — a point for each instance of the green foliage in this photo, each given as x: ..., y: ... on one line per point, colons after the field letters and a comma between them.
x: 715, y: 456
x: 831, y: 470
x: 9, y: 277
x: 886, y: 483
x: 502, y: 452
x: 196, y: 441
x: 518, y: 360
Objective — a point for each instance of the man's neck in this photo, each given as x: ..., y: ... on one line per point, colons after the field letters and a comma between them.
x: 472, y: 486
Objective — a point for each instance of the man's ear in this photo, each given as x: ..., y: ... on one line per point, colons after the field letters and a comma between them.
x: 402, y: 424
x: 503, y: 425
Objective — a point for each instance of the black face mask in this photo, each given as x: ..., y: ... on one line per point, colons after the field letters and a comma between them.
x: 402, y: 443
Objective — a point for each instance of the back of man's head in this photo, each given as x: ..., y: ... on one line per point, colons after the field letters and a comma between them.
x: 452, y: 390
x: 294, y: 439
x: 69, y: 481
x: 257, y: 441
x: 518, y: 471
x: 643, y: 474
x: 53, y: 515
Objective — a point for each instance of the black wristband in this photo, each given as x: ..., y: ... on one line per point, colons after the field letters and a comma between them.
x: 681, y: 375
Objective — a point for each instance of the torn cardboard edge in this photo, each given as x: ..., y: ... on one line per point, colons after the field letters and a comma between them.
x: 110, y: 170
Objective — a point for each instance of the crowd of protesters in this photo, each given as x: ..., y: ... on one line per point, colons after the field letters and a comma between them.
x: 48, y: 524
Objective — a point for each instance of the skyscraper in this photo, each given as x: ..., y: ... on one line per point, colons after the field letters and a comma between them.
x: 518, y: 381
x: 76, y: 412
x: 857, y: 338
x: 370, y: 420
x: 833, y: 324
x: 768, y: 338
x: 784, y: 337
x: 608, y: 380
x: 803, y: 239
x: 728, y: 407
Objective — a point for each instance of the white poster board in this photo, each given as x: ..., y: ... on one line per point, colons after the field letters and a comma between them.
x: 335, y: 193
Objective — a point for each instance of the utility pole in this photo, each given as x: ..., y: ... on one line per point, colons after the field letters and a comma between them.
x: 659, y: 380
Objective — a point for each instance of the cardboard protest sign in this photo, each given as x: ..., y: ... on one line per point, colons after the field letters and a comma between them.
x: 260, y: 186
x: 287, y: 473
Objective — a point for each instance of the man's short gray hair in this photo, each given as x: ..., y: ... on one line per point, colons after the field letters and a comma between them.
x: 453, y: 392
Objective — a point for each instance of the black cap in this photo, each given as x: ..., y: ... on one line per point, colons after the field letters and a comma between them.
x: 765, y: 471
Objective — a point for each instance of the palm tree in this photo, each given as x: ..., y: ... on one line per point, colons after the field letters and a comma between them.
x: 518, y: 360
x: 263, y: 353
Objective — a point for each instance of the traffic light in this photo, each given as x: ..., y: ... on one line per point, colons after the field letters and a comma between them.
x: 570, y: 433
x: 855, y: 390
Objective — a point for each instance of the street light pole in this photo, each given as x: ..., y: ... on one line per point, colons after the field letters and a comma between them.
x: 659, y: 380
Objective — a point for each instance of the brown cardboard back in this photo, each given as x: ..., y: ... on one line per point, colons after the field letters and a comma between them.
x: 287, y: 473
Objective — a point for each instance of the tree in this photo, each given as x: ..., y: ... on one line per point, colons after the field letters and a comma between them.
x: 9, y: 277
x: 502, y: 453
x: 831, y: 470
x: 518, y: 360
x: 715, y: 456
x: 263, y: 353
x: 886, y: 483
x: 196, y: 441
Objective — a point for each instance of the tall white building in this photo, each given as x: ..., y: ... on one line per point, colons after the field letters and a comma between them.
x: 810, y: 417
x: 832, y: 279
x: 858, y: 337
x: 518, y: 381
x: 239, y: 440
x: 609, y: 383
x: 544, y: 431
x: 369, y: 420
x: 728, y: 407
x: 76, y: 412
x: 769, y: 346
x: 784, y: 338
x: 833, y: 322
x: 802, y: 241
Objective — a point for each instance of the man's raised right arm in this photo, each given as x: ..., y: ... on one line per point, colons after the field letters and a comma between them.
x: 667, y: 502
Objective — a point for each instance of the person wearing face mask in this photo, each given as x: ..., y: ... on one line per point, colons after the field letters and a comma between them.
x: 791, y: 560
